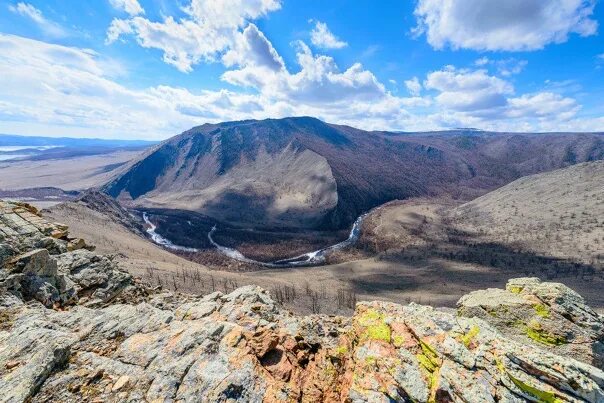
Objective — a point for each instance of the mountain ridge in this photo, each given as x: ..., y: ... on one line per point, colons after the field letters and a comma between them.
x: 368, y: 168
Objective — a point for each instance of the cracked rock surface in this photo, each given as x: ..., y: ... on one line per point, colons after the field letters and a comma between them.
x: 75, y: 328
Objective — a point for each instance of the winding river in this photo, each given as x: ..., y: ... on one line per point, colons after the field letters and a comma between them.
x: 313, y: 258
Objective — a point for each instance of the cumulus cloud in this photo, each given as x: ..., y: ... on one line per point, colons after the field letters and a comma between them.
x: 323, y: 38
x: 462, y: 90
x: 543, y: 105
x: 414, y: 86
x: 319, y: 79
x: 252, y: 48
x: 131, y: 7
x: 477, y: 97
x: 511, y: 25
x: 209, y: 29
x: 48, y: 27
x: 72, y: 91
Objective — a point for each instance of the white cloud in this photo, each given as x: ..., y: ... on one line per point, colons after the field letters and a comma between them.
x: 509, y: 67
x: 318, y: 81
x: 132, y: 7
x: 55, y: 89
x: 50, y: 28
x: 505, y: 67
x: 209, y: 29
x: 481, y: 100
x: 482, y: 61
x: 544, y: 104
x: 462, y: 90
x: 511, y: 25
x: 601, y: 56
x: 252, y: 48
x: 323, y: 38
x: 414, y: 86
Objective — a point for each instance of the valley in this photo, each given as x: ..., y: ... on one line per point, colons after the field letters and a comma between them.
x: 417, y: 250
x: 451, y: 212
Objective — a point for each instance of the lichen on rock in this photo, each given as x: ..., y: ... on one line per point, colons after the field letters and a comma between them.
x: 64, y: 337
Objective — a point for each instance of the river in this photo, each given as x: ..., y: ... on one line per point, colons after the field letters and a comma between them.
x: 313, y: 258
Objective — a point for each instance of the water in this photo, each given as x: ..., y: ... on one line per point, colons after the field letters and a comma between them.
x: 313, y: 258
x: 160, y: 240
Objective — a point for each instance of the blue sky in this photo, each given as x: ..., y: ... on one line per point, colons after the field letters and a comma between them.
x: 153, y: 68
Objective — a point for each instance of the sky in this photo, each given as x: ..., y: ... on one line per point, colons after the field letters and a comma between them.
x: 150, y: 69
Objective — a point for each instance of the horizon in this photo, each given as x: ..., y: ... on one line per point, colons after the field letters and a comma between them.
x: 155, y: 141
x: 128, y: 69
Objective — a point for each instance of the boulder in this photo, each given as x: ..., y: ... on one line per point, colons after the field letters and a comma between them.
x: 548, y: 315
x: 36, y: 262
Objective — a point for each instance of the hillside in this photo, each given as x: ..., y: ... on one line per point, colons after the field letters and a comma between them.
x: 558, y: 213
x: 302, y: 172
x: 76, y: 327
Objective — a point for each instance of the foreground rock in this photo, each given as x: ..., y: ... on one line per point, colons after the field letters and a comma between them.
x: 114, y: 340
x: 549, y: 315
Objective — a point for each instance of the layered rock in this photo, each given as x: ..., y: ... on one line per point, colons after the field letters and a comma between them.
x: 549, y: 315
x: 103, y: 344
x: 41, y: 262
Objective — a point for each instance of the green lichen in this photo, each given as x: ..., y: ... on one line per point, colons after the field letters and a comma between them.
x: 375, y: 326
x: 341, y: 350
x: 428, y: 357
x: 370, y: 360
x: 467, y: 338
x: 515, y: 289
x: 542, y: 310
x: 535, y: 331
x: 398, y: 340
x: 541, y: 396
x: 426, y: 363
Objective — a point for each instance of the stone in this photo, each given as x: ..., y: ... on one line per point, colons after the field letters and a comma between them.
x: 75, y: 244
x: 85, y: 330
x: 120, y: 383
x: 548, y: 315
x: 36, y: 262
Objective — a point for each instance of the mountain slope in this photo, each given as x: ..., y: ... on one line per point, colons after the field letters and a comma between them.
x: 558, y: 213
x: 301, y: 172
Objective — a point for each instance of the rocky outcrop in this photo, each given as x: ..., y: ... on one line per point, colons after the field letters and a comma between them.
x: 549, y: 315
x: 41, y: 262
x: 137, y: 344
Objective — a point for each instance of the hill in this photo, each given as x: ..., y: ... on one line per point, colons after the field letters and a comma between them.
x: 302, y: 172
x: 558, y: 213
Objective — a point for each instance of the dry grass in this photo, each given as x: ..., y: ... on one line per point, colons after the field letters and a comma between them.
x: 414, y: 251
x: 68, y: 174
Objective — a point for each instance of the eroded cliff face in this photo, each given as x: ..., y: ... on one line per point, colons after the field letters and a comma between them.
x: 74, y: 327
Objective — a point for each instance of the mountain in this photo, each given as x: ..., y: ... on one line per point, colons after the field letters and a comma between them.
x: 302, y: 172
x: 75, y: 327
x: 558, y: 213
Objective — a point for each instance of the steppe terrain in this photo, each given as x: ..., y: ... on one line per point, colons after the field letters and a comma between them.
x: 417, y: 250
x: 75, y: 173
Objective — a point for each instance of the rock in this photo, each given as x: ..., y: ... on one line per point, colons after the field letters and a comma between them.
x: 36, y: 262
x: 84, y: 330
x: 120, y: 383
x: 6, y: 252
x: 75, y: 244
x: 548, y: 315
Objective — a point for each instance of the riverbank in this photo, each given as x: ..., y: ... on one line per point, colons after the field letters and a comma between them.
x: 313, y: 258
